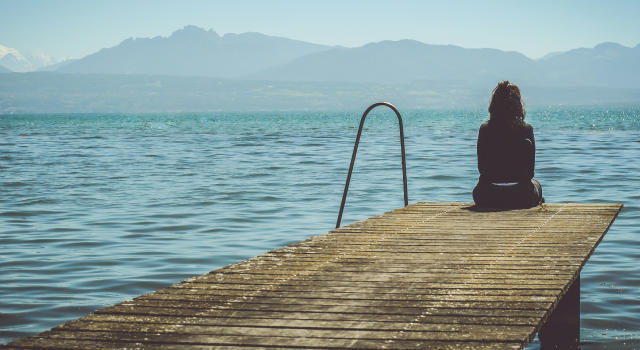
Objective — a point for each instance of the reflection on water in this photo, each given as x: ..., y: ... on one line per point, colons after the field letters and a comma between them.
x: 96, y: 209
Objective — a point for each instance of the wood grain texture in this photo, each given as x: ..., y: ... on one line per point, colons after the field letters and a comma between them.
x: 427, y: 276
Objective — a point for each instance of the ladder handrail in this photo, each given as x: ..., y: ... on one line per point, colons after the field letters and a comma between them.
x: 355, y: 150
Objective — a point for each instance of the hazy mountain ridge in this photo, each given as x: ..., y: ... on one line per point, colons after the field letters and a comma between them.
x: 194, y: 51
x: 401, y: 62
x: 549, y: 55
x: 15, y: 61
x: 606, y: 65
x: 55, y: 66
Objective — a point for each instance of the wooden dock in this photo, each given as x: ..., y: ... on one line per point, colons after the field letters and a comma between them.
x: 427, y: 276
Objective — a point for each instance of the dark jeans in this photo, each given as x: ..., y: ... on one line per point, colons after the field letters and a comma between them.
x: 522, y: 195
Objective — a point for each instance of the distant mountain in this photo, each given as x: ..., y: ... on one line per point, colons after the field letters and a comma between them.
x: 38, y: 59
x: 14, y: 60
x: 606, y: 65
x: 549, y: 55
x: 53, y: 67
x: 4, y: 70
x: 402, y: 62
x: 194, y: 51
x: 30, y: 61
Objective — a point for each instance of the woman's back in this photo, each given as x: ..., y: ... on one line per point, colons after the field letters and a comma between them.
x: 506, y: 153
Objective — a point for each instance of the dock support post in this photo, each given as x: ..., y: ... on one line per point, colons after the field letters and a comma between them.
x: 562, y: 329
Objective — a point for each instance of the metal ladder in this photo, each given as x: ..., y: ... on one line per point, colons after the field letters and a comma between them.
x: 355, y: 150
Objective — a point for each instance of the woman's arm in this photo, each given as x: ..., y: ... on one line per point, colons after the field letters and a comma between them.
x: 530, y: 161
x: 480, y: 149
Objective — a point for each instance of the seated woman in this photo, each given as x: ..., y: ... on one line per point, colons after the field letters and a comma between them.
x: 506, y: 154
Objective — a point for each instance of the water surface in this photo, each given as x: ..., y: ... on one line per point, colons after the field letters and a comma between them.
x: 96, y: 209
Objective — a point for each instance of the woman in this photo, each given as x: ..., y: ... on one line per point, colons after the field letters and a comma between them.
x: 506, y: 154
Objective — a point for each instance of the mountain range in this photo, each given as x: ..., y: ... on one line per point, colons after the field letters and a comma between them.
x: 55, y: 66
x: 404, y: 61
x: 193, y: 51
x: 11, y: 60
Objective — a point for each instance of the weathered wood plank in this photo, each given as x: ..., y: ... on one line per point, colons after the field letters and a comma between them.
x: 360, y: 293
x: 249, y: 343
x: 262, y: 337
x: 319, y: 311
x: 302, y: 320
x: 349, y: 330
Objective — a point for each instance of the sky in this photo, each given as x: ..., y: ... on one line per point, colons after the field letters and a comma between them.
x: 78, y: 28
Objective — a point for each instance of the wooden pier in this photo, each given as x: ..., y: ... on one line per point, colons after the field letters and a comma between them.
x: 427, y: 276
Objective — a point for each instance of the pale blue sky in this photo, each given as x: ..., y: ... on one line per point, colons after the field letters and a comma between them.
x: 534, y: 28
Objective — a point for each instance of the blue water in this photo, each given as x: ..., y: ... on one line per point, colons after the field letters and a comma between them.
x: 96, y: 209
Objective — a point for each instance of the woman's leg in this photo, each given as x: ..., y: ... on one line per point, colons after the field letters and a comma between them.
x: 484, y: 196
x: 523, y: 195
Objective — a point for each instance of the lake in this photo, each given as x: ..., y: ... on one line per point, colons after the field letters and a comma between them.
x: 99, y: 208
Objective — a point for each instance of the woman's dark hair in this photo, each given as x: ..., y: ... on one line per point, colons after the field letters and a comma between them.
x: 506, y: 104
